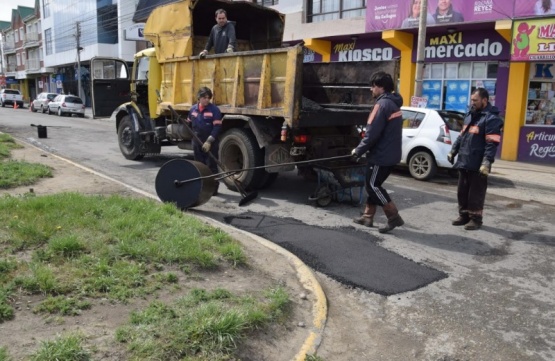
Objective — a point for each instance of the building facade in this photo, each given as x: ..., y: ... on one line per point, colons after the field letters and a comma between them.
x: 468, y: 44
x: 22, y: 56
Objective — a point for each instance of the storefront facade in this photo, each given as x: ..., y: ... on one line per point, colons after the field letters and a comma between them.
x: 536, y: 136
x: 504, y: 46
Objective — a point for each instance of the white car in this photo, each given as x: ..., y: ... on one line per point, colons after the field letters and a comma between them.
x: 41, y: 102
x: 67, y: 105
x: 428, y: 136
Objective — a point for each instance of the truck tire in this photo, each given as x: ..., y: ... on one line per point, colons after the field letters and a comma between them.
x: 239, y: 150
x: 422, y: 165
x: 128, y: 139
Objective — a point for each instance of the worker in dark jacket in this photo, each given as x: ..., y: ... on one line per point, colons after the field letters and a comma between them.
x: 222, y: 36
x: 476, y: 147
x: 206, y: 121
x: 382, y: 145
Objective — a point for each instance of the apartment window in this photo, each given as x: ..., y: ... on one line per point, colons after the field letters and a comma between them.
x: 40, y: 54
x: 46, y: 9
x: 267, y: 2
x: 16, y: 36
x: 18, y: 59
x: 22, y: 33
x: 322, y: 10
x: 48, y: 41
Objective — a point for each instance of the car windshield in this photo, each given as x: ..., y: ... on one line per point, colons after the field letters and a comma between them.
x: 454, y: 120
x: 75, y: 100
x: 10, y: 91
x: 51, y: 96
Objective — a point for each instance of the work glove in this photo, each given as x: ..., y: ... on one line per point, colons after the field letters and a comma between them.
x: 229, y: 49
x: 485, y: 168
x: 203, y: 54
x: 354, y: 154
x: 208, y: 144
x: 206, y: 147
x: 451, y: 158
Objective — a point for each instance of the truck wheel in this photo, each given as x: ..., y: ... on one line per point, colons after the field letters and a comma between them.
x: 239, y: 150
x: 128, y: 139
x: 422, y: 165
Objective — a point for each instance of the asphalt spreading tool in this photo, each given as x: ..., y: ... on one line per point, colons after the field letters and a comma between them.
x: 190, y: 184
x: 184, y: 196
x: 42, y: 131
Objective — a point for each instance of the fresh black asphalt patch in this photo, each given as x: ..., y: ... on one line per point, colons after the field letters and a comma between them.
x: 349, y: 256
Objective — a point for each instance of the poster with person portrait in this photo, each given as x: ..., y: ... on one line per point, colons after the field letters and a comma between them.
x: 534, y: 8
x: 387, y: 14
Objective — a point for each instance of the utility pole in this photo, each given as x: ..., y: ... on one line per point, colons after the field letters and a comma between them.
x: 78, y: 36
x: 420, y: 47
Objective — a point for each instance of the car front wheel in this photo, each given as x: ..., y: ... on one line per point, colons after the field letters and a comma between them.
x: 422, y: 165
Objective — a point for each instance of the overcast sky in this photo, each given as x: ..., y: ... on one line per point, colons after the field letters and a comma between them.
x: 6, y: 7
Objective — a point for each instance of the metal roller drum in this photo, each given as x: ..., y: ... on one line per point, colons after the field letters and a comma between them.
x: 171, y: 188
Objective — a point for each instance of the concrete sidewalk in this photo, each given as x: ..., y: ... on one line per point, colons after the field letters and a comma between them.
x: 523, y: 174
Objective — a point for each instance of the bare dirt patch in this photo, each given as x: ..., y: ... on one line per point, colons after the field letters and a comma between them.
x: 280, y: 342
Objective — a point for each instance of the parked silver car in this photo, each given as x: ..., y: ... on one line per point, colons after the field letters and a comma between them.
x: 67, y: 105
x: 428, y: 136
x: 41, y: 102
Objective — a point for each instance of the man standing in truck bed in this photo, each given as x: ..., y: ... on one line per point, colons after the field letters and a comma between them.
x: 382, y: 145
x: 222, y: 36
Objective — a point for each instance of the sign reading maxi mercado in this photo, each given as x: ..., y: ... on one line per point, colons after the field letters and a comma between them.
x: 465, y: 46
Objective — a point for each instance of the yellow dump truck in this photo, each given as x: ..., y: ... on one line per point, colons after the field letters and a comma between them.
x: 276, y: 109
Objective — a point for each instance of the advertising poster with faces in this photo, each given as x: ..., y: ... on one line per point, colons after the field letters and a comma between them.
x: 387, y: 14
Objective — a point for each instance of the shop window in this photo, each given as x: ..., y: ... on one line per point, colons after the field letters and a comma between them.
x: 437, y: 71
x: 448, y: 86
x: 451, y: 71
x: 464, y: 70
x: 426, y: 74
x: 541, y: 103
x: 479, y: 70
x: 492, y: 70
